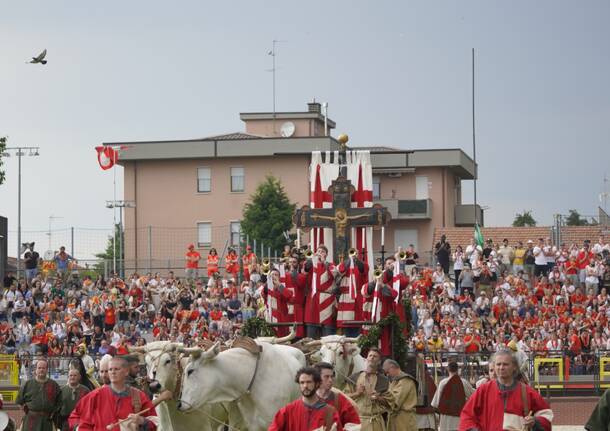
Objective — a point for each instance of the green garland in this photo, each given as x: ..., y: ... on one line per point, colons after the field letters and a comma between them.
x: 256, y: 327
x: 400, y: 347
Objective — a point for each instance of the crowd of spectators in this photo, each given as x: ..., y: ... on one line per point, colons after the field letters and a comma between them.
x: 534, y: 297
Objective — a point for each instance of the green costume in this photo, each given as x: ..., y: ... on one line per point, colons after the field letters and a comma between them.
x: 600, y: 417
x: 69, y: 397
x: 41, y: 400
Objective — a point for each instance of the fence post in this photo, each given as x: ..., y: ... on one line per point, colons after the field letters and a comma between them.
x: 106, y: 269
x: 149, y: 248
x: 262, y: 250
x: 72, y: 241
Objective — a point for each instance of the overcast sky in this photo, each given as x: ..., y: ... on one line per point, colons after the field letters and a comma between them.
x: 394, y: 73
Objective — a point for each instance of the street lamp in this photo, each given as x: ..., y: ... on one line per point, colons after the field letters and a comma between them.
x: 120, y: 205
x: 19, y: 152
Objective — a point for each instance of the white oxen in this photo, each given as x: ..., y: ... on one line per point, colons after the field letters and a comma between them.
x: 258, y: 385
x: 342, y: 353
x: 162, y: 366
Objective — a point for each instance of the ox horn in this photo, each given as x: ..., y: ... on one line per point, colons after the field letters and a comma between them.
x: 288, y: 337
x: 195, y: 352
x: 351, y: 339
x: 137, y: 349
x: 212, y: 351
x: 314, y: 343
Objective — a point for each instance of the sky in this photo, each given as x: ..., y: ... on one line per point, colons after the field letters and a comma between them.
x: 394, y: 73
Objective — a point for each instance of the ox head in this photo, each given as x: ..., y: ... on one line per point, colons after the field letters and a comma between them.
x: 199, y: 380
x: 161, y: 364
x: 338, y: 351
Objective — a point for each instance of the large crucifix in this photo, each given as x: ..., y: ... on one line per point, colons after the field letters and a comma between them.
x: 341, y: 217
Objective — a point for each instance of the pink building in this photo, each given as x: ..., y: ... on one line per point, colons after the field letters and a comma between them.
x: 193, y: 191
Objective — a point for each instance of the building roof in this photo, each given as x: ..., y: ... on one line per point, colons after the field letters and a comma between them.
x: 232, y: 137
x: 569, y: 234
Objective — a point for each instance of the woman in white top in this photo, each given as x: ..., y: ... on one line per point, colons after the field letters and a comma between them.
x: 591, y: 278
x: 458, y: 266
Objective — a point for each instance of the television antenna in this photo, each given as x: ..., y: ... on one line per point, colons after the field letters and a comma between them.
x: 273, y: 54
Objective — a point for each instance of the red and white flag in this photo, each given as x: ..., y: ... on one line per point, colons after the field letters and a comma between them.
x: 107, y: 156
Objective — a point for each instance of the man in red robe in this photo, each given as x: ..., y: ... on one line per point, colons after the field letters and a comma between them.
x: 505, y: 403
x: 350, y: 302
x: 296, y: 281
x: 320, y: 300
x: 308, y: 412
x: 384, y: 296
x: 276, y: 297
x: 344, y: 406
x: 112, y: 403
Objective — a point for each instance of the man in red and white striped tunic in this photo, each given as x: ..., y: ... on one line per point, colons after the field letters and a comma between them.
x: 320, y: 302
x: 350, y: 304
x: 276, y: 297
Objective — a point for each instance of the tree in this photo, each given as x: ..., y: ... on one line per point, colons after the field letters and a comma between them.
x: 524, y: 219
x: 268, y: 215
x: 2, y: 147
x: 574, y: 219
x: 108, y: 254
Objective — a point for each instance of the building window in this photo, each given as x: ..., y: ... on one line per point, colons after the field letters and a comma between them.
x: 235, y: 233
x: 237, y: 179
x: 204, y: 180
x: 204, y: 234
x: 376, y: 188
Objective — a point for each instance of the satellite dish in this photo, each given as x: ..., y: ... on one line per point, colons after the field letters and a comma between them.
x: 287, y: 129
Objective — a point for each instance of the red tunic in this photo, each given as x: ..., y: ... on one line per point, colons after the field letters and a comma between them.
x: 297, y: 416
x: 382, y: 307
x: 103, y: 407
x: 347, y: 412
x: 485, y: 409
x: 350, y: 302
x: 276, y: 301
x: 297, y: 283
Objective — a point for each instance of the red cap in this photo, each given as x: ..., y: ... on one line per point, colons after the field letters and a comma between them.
x: 248, y: 247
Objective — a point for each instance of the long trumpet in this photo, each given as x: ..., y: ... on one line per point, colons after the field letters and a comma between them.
x: 378, y: 272
x: 265, y: 262
x: 402, y: 255
x: 308, y: 254
x: 352, y: 252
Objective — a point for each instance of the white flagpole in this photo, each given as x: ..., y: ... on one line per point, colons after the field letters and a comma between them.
x: 114, y: 218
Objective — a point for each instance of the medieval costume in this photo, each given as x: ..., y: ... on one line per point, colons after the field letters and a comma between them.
x: 69, y: 398
x: 371, y: 410
x: 276, y: 304
x: 497, y: 407
x: 449, y: 399
x: 320, y: 300
x: 40, y: 401
x: 346, y: 408
x: 350, y: 301
x: 104, y: 407
x: 296, y: 282
x: 384, y: 297
x: 298, y: 416
x: 600, y: 417
x: 402, y: 397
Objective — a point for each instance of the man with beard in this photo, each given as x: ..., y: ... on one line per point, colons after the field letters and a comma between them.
x: 104, y: 362
x: 308, y: 413
x: 369, y: 389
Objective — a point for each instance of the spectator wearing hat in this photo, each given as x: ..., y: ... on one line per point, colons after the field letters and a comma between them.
x: 192, y: 258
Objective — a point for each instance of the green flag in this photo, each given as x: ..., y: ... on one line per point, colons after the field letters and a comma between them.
x: 478, y: 236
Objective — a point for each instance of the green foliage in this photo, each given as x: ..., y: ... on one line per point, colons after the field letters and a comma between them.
x: 109, y: 253
x: 256, y: 327
x: 268, y: 215
x: 400, y: 348
x: 524, y: 219
x: 2, y: 147
x: 574, y: 219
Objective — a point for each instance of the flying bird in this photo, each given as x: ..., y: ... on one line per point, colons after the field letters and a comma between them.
x: 40, y: 58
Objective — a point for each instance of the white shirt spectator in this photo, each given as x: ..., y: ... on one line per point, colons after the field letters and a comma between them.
x: 540, y: 258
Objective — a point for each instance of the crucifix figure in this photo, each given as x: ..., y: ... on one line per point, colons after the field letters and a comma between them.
x: 341, y: 217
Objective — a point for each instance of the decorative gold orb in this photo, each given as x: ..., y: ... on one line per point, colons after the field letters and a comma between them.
x: 343, y: 138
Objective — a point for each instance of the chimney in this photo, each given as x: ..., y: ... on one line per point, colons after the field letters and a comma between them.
x: 314, y: 107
